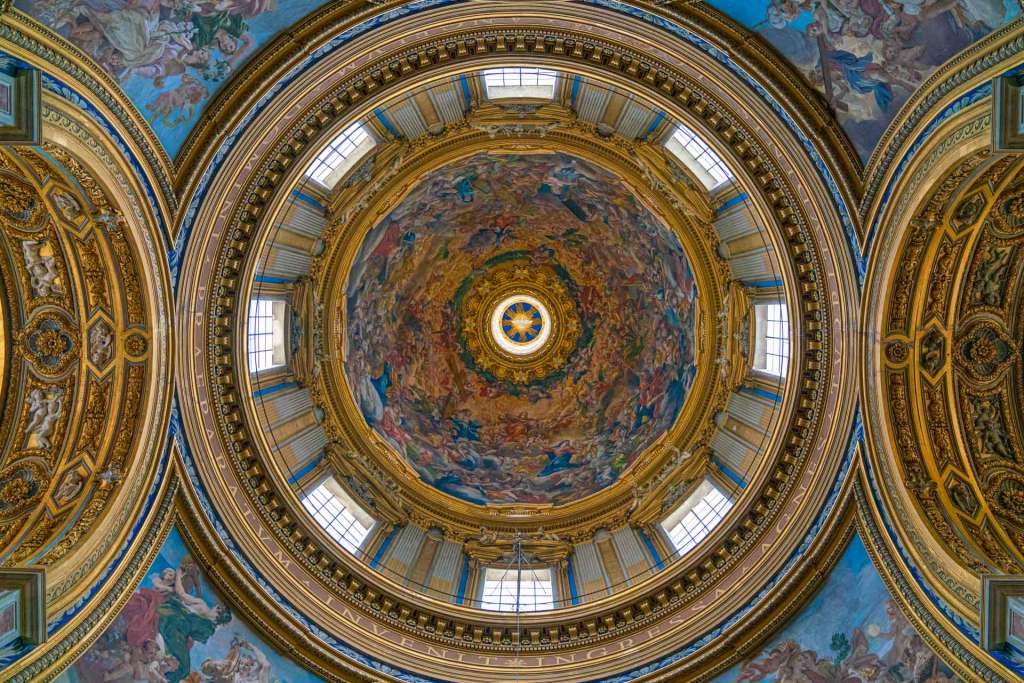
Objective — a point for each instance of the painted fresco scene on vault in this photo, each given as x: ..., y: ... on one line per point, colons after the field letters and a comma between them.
x: 624, y: 276
x: 851, y: 632
x: 176, y: 629
x: 868, y: 56
x: 169, y: 56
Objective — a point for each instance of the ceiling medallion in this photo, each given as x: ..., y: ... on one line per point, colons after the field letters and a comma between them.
x: 518, y: 319
x: 521, y: 325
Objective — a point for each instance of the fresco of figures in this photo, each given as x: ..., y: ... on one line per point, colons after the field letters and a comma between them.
x: 553, y: 440
x: 169, y: 56
x: 851, y: 632
x: 868, y: 56
x: 176, y: 629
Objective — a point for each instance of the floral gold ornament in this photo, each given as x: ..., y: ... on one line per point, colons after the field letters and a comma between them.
x: 20, y: 206
x: 1008, y: 214
x: 985, y: 350
x: 518, y: 321
x: 135, y: 345
x: 48, y: 344
x: 20, y: 487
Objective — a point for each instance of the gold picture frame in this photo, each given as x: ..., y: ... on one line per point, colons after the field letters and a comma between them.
x: 1002, y: 614
x: 21, y: 107
x: 1008, y: 113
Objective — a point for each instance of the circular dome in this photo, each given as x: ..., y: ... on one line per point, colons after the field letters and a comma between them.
x: 520, y: 328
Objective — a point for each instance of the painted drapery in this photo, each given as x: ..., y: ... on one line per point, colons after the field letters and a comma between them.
x: 852, y: 630
x: 175, y: 628
x: 868, y: 56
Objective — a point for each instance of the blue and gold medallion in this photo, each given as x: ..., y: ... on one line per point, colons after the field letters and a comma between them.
x: 521, y: 322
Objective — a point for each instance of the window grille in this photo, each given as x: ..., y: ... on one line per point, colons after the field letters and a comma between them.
x: 520, y: 81
x: 696, y: 517
x: 534, y: 590
x: 336, y: 517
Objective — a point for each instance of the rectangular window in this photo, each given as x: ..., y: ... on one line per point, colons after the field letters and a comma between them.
x: 520, y: 81
x: 696, y: 517
x: 338, y: 515
x: 689, y: 148
x: 517, y: 590
x: 340, y: 155
x: 265, y: 333
x: 771, y: 350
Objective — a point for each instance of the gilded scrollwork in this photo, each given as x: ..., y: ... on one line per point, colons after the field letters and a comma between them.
x: 50, y: 343
x: 956, y: 411
x: 69, y: 425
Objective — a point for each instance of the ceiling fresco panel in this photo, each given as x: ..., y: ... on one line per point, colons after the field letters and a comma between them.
x: 846, y: 635
x: 169, y: 56
x: 877, y: 51
x: 431, y: 386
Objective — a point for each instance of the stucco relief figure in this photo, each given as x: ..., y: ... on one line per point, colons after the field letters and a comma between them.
x: 101, y: 340
x: 44, y: 277
x: 70, y: 487
x: 67, y: 205
x: 992, y: 436
x: 44, y: 410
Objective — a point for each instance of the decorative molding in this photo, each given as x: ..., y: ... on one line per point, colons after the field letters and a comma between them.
x: 310, y: 552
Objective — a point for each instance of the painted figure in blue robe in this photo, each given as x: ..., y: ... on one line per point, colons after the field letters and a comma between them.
x: 382, y: 382
x: 464, y: 188
x: 559, y: 460
x: 642, y: 414
x: 373, y: 394
x: 565, y: 198
x: 468, y: 429
x: 858, y: 72
x: 452, y: 484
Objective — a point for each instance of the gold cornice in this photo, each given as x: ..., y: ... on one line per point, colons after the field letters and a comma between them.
x: 853, y: 512
x: 224, y: 111
x: 960, y: 138
x: 121, y: 281
x: 459, y: 519
x: 814, y: 434
x: 979, y: 62
x: 38, y: 45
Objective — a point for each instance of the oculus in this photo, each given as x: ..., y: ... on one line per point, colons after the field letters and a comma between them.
x: 520, y: 325
x: 519, y: 322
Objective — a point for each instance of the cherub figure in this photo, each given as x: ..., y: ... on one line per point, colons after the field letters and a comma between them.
x: 44, y: 412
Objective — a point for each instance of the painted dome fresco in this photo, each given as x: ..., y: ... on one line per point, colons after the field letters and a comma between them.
x: 520, y: 328
x: 590, y: 341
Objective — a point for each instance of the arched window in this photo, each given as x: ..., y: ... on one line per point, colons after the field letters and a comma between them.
x: 338, y: 514
x: 520, y: 81
x: 265, y: 331
x: 771, y: 345
x: 340, y: 155
x: 696, y: 517
x: 689, y: 148
x: 511, y: 589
